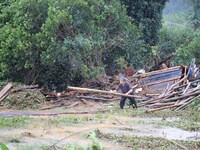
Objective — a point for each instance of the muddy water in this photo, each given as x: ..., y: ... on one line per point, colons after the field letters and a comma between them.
x: 152, y: 131
x: 42, y: 133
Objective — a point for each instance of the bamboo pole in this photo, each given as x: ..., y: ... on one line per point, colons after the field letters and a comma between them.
x: 100, y: 91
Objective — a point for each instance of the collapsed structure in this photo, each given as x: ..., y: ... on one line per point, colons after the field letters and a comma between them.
x: 174, y: 88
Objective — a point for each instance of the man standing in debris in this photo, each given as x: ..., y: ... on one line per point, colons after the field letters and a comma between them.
x: 126, y: 88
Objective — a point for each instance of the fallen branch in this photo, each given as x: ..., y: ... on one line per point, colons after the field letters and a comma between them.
x: 101, y: 91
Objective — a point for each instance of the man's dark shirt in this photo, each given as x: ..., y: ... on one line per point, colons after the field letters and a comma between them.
x: 125, y: 88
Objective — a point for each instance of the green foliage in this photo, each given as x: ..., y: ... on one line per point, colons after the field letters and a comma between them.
x: 95, y: 143
x: 196, y: 14
x: 13, y: 121
x: 3, y: 147
x: 189, y: 50
x: 72, y: 120
x: 55, y: 43
x: 147, y: 15
x: 173, y: 35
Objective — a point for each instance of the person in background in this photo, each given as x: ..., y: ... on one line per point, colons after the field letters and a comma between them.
x: 127, y: 89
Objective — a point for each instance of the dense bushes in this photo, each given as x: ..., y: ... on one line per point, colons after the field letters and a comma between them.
x: 59, y: 42
x: 189, y: 50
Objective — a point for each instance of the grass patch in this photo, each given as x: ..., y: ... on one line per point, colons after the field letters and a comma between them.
x: 15, y: 140
x: 69, y: 120
x: 184, y: 124
x: 14, y: 121
x: 147, y: 143
x: 3, y: 147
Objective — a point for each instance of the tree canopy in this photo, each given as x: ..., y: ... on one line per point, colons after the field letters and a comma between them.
x: 58, y: 42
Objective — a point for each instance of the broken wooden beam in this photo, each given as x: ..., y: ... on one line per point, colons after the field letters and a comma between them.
x: 24, y: 88
x: 162, y: 81
x: 154, y: 72
x: 101, y: 91
x: 4, y: 91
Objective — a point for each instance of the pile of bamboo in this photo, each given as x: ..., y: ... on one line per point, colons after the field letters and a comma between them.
x: 177, y: 96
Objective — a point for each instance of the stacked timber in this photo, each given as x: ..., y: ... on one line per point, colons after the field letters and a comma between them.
x: 176, y: 96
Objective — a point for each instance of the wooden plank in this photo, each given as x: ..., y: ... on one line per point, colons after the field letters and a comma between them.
x: 5, y: 90
x: 100, y: 91
x: 154, y: 72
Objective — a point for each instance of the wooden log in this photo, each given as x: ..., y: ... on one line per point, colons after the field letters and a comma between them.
x: 96, y: 98
x: 101, y: 91
x: 25, y: 88
x: 161, y: 108
x: 4, y: 91
x: 154, y: 72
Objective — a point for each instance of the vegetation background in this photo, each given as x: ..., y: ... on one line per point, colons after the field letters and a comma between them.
x: 55, y: 43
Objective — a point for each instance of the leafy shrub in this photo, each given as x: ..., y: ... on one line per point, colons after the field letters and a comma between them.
x: 55, y: 43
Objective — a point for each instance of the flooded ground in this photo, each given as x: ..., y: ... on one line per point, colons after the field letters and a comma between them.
x: 115, y: 129
x: 45, y: 131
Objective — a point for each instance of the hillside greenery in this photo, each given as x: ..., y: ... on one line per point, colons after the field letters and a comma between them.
x: 57, y: 43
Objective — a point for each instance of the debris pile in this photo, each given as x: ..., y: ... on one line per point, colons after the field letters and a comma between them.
x: 179, y: 86
x: 21, y: 97
x: 175, y: 96
x: 174, y: 88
